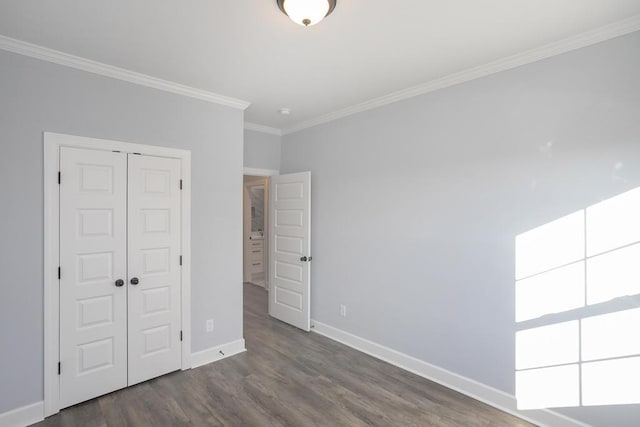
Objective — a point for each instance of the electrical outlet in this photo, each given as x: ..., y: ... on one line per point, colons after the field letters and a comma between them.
x: 343, y: 310
x: 210, y: 325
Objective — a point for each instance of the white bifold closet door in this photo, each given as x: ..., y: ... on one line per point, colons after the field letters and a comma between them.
x: 93, y: 255
x: 120, y: 271
x: 154, y: 259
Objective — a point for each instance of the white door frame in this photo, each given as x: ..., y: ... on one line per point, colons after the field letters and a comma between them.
x: 265, y: 247
x: 260, y: 172
x: 52, y: 144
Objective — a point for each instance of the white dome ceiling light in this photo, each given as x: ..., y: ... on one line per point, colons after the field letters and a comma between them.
x: 306, y: 12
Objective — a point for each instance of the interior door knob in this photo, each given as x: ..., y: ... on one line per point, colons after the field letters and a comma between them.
x: 135, y: 281
x: 303, y: 259
x: 119, y: 283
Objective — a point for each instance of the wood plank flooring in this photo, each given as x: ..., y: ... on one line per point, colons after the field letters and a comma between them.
x: 286, y: 378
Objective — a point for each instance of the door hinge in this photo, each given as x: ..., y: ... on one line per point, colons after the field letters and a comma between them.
x: 59, y: 368
x: 59, y: 177
x: 59, y: 273
x: 180, y: 335
x: 181, y: 184
x: 180, y: 259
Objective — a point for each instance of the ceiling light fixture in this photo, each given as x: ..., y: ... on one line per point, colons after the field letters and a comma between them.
x: 306, y: 12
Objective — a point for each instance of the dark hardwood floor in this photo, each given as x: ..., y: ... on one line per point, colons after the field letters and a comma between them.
x: 286, y: 378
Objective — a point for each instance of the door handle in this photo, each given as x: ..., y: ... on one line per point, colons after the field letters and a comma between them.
x: 119, y: 283
x: 135, y: 281
x: 303, y: 259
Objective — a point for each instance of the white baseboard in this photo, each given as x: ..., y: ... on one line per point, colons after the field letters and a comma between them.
x: 482, y: 392
x: 23, y: 416
x: 214, y: 354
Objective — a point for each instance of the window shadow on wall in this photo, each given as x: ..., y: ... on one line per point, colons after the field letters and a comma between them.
x: 578, y: 308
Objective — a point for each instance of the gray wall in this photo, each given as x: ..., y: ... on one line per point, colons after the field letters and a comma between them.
x: 36, y: 96
x: 416, y: 204
x: 261, y: 150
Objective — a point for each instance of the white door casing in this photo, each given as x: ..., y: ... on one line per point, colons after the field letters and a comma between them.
x: 154, y: 262
x: 290, y: 249
x: 93, y: 256
x: 95, y: 223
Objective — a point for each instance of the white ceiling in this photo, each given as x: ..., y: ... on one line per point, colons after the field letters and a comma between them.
x: 248, y: 49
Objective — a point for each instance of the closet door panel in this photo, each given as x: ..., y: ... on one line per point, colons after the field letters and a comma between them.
x: 154, y: 267
x: 93, y: 256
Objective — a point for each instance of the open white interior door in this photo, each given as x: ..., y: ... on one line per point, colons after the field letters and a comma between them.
x: 290, y: 249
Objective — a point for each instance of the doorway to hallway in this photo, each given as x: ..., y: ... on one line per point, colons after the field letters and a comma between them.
x: 255, y: 191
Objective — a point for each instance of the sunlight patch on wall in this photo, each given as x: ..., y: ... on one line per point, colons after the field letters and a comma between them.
x: 613, y: 274
x: 561, y: 385
x: 554, y: 291
x: 611, y: 382
x: 568, y: 266
x: 554, y: 244
x: 611, y: 335
x: 562, y: 340
x: 613, y: 223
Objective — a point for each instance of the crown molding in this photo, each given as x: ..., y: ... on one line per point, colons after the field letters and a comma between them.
x: 588, y: 38
x: 261, y: 128
x: 88, y: 65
